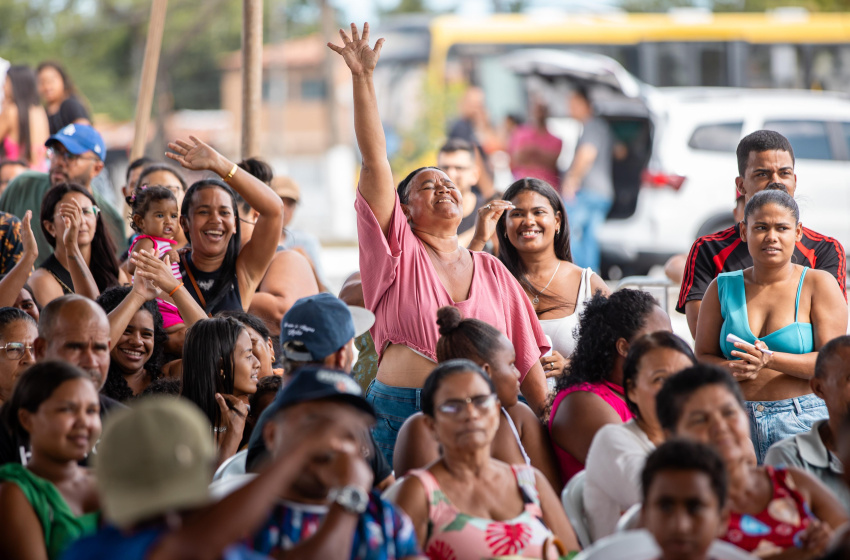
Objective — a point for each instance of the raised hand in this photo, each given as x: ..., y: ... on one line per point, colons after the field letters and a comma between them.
x: 27, y: 237
x: 197, y: 156
x: 145, y: 288
x: 488, y: 217
x: 72, y: 215
x: 359, y: 57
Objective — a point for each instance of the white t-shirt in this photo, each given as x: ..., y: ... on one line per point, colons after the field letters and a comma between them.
x: 560, y: 331
x: 612, y: 484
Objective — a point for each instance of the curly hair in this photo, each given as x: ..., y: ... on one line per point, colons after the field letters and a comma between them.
x: 141, y: 199
x: 116, y: 386
x: 605, y: 320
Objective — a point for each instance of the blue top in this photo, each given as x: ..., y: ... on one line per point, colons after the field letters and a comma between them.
x: 110, y: 543
x: 796, y: 338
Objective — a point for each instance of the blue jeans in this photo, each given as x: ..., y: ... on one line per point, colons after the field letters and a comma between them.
x: 393, y: 405
x: 585, y: 213
x: 771, y: 421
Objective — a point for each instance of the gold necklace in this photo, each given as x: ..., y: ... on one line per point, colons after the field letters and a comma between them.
x: 536, y: 299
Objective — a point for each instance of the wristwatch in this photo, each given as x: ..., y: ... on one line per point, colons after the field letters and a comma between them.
x: 353, y: 499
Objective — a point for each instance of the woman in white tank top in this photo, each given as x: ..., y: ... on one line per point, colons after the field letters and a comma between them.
x: 534, y: 244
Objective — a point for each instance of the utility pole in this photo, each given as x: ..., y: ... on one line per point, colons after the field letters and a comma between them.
x: 147, y: 84
x: 252, y: 75
x: 329, y: 31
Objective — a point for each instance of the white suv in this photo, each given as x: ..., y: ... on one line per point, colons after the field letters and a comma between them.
x: 688, y: 186
x: 677, y: 181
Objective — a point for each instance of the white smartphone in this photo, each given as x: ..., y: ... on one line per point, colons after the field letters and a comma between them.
x: 733, y: 339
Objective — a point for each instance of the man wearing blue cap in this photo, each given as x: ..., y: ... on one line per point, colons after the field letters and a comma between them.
x: 77, y: 153
x: 319, y: 330
x: 330, y: 510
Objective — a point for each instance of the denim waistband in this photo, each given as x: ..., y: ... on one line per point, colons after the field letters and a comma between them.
x: 405, y: 394
x: 797, y: 403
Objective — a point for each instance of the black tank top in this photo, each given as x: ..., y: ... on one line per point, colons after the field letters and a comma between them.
x: 228, y: 299
x: 54, y: 267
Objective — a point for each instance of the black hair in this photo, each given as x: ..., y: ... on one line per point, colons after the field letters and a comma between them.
x: 9, y: 315
x: 267, y: 385
x: 507, y: 252
x: 829, y: 351
x: 772, y: 196
x: 761, y: 141
x: 580, y: 90
x: 141, y: 199
x: 686, y: 455
x: 116, y: 386
x: 135, y: 164
x: 403, y: 189
x: 25, y: 93
x: 210, y: 342
x: 605, y: 320
x: 458, y: 145
x: 227, y: 272
x: 671, y: 399
x: 169, y: 386
x: 643, y: 346
x: 259, y: 169
x: 157, y: 167
x: 441, y: 372
x: 34, y: 386
x: 103, y: 266
x: 249, y: 320
x: 460, y: 338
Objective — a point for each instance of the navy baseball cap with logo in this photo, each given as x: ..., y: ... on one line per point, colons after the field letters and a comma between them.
x: 317, y: 326
x: 79, y: 139
x: 309, y: 383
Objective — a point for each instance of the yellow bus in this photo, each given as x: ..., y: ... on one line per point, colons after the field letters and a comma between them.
x: 783, y: 48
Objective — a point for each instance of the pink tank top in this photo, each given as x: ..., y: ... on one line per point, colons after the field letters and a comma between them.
x: 13, y: 151
x: 402, y: 288
x: 611, y: 394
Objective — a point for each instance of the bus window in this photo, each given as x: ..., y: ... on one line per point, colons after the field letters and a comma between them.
x: 779, y: 66
x: 808, y: 138
x: 830, y: 67
x: 719, y: 137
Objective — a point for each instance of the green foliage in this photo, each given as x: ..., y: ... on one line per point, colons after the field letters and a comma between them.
x: 101, y: 43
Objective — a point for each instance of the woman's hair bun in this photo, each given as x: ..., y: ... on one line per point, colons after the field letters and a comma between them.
x: 449, y: 319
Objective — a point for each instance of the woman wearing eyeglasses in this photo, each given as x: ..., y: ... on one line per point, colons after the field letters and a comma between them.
x: 467, y: 504
x: 83, y: 259
x: 17, y: 333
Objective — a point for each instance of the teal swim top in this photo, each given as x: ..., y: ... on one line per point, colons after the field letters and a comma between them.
x: 796, y: 338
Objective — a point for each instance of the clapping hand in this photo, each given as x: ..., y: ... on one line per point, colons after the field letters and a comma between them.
x: 28, y: 238
x: 72, y: 216
x: 359, y: 57
x: 154, y: 270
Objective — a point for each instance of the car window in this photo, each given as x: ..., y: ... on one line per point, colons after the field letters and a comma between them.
x: 718, y: 137
x: 809, y: 139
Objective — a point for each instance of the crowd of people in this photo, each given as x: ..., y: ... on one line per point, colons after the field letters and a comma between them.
x: 193, y: 390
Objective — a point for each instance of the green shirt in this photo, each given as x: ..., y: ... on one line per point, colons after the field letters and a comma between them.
x: 61, y: 527
x: 27, y: 190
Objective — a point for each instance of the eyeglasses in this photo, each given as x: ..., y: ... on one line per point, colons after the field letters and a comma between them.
x: 455, y: 406
x: 15, y: 350
x: 68, y: 157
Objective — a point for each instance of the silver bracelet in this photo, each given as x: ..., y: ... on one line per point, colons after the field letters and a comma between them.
x: 220, y: 430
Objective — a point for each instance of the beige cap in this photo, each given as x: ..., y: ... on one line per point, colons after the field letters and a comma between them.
x: 285, y: 187
x: 155, y: 457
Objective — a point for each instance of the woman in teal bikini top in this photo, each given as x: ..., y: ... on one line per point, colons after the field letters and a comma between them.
x: 753, y: 304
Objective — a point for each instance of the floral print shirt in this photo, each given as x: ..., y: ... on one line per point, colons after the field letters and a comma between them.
x: 11, y: 246
x: 383, y: 532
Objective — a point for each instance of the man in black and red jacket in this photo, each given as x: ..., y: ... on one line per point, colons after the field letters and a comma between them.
x: 765, y: 161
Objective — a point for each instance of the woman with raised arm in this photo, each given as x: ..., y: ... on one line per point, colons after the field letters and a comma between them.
x: 411, y: 265
x: 220, y: 272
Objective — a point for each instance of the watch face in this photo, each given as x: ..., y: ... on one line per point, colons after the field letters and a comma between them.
x: 353, y: 499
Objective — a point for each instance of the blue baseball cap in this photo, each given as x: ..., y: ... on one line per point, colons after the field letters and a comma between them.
x: 79, y: 139
x: 317, y: 326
